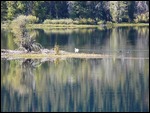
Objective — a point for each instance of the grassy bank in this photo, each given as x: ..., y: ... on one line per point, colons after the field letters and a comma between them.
x: 48, y: 26
x: 73, y: 26
x: 39, y: 26
x: 130, y: 24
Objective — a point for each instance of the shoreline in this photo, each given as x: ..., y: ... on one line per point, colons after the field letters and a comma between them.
x: 73, y: 26
x: 63, y: 54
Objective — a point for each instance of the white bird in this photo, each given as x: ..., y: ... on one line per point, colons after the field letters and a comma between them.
x: 76, y: 50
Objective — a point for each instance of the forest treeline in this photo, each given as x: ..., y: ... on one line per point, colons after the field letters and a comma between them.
x: 113, y: 11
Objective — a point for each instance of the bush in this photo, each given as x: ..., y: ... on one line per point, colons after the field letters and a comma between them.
x: 22, y: 20
x: 56, y: 49
x: 18, y: 25
x: 82, y: 21
x: 54, y: 22
x: 75, y: 22
x: 58, y: 21
x: 90, y: 21
x: 46, y: 21
x: 70, y: 21
x: 101, y: 22
x: 32, y: 19
x: 144, y: 18
x: 108, y: 22
x: 125, y: 19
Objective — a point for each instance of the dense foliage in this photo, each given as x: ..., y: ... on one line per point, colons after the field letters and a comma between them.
x: 114, y: 11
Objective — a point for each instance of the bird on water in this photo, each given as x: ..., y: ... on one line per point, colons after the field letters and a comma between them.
x: 76, y: 50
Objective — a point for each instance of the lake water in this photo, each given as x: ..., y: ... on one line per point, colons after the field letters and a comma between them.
x: 73, y: 84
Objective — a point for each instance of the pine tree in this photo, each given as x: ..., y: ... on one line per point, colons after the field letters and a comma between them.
x: 11, y: 9
x: 123, y: 11
x: 3, y: 11
x: 131, y: 10
x: 114, y: 10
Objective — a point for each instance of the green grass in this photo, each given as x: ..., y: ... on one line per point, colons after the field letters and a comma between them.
x: 49, y: 26
x: 73, y: 26
x: 59, y: 26
x: 130, y: 24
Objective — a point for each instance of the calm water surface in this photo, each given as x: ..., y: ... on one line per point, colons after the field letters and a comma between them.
x: 79, y: 84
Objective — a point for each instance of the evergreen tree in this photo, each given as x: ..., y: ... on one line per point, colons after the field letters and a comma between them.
x: 119, y: 11
x: 141, y: 7
x: 77, y: 9
x: 3, y: 10
x: 11, y: 9
x: 105, y: 11
x: 21, y: 7
x: 39, y: 10
x: 123, y: 11
x: 116, y: 11
x: 131, y: 10
x: 71, y: 9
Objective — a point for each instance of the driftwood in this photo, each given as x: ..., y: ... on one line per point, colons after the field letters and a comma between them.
x: 6, y: 51
x: 3, y: 51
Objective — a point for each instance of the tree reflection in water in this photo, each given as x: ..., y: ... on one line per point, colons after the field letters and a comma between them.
x: 81, y: 84
x: 27, y: 73
x: 76, y: 85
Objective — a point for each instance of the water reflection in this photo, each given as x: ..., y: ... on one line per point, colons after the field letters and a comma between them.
x: 98, y: 41
x: 27, y: 77
x: 79, y: 84
x: 75, y: 85
x: 110, y: 41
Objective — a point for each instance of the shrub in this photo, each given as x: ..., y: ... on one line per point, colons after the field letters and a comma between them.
x: 22, y: 20
x: 56, y: 49
x: 125, y: 19
x: 142, y: 18
x: 75, y: 22
x: 32, y: 19
x: 46, y: 21
x: 19, y: 22
x: 108, y: 22
x: 90, y: 21
x: 82, y: 21
x: 58, y: 21
x: 70, y: 21
x: 101, y: 22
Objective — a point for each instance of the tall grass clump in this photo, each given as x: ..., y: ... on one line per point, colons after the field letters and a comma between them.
x: 88, y: 21
x: 58, y: 21
x: 100, y: 22
x: 56, y: 49
x: 70, y: 21
x: 32, y: 19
